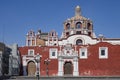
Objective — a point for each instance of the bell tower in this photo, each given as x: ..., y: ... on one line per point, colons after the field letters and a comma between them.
x: 52, y: 38
x: 31, y: 38
x: 78, y: 25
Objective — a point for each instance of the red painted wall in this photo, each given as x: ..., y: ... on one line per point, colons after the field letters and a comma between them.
x: 44, y: 51
x: 92, y: 66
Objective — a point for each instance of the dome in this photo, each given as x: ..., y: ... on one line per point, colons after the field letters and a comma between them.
x: 78, y: 24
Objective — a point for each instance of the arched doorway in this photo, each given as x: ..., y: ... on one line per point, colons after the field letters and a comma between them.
x: 31, y: 68
x: 68, y: 68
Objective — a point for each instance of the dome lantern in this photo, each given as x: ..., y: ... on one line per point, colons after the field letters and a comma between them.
x: 77, y: 11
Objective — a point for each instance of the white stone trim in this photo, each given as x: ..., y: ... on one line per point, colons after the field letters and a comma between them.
x: 83, y: 41
x: 29, y: 50
x: 26, y: 60
x: 75, y: 67
x: 75, y: 63
x: 72, y: 40
x: 51, y: 50
x: 81, y: 51
x: 60, y: 67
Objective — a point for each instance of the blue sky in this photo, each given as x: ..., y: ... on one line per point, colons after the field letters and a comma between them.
x: 17, y: 17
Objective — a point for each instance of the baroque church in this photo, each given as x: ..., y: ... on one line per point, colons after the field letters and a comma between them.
x: 78, y: 52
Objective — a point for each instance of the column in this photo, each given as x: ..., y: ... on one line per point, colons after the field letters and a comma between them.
x: 75, y: 67
x: 31, y: 41
x: 52, y: 41
x: 35, y: 41
x: 27, y: 41
x: 48, y: 41
x: 60, y: 67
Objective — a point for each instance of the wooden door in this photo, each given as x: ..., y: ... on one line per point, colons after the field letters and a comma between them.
x: 31, y: 68
x: 68, y: 68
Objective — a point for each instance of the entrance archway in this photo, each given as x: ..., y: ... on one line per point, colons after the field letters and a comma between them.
x: 31, y: 68
x: 68, y: 68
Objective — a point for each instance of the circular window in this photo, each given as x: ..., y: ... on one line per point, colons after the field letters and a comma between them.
x: 79, y: 42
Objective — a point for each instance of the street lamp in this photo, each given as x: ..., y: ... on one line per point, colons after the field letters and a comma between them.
x: 47, y: 61
x: 37, y: 59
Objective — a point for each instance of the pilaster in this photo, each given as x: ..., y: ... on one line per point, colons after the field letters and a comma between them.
x: 60, y: 67
x: 75, y: 69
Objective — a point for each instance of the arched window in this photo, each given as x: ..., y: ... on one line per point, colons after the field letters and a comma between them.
x: 78, y: 25
x: 79, y: 42
x: 88, y: 26
x: 67, y: 26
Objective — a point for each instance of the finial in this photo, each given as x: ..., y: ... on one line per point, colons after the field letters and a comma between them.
x: 77, y: 11
x: 39, y: 31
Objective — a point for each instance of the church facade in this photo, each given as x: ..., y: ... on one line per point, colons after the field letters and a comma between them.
x: 78, y: 52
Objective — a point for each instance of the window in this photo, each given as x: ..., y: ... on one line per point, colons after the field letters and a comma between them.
x: 52, y: 34
x: 29, y: 43
x: 53, y: 53
x: 83, y: 53
x: 79, y: 42
x: 67, y: 33
x: 89, y: 33
x: 0, y: 52
x: 88, y: 26
x: 0, y: 55
x: 103, y: 52
x: 68, y: 26
x: 31, y: 52
x: 78, y: 25
x: 78, y: 32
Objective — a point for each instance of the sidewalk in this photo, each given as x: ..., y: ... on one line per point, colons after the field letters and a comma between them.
x: 63, y: 78
x: 4, y: 77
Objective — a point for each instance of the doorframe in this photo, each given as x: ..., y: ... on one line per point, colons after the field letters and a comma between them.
x: 75, y: 64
